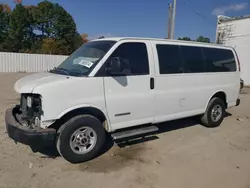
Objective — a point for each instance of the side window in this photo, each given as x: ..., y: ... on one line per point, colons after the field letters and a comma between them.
x: 193, y: 59
x: 134, y: 55
x: 169, y: 59
x: 219, y: 60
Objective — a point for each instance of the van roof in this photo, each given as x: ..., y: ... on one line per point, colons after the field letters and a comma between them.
x: 162, y: 40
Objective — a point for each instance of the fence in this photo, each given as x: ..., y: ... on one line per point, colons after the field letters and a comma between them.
x: 21, y: 62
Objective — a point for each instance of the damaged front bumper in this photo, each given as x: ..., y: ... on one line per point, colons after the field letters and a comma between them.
x: 26, y: 135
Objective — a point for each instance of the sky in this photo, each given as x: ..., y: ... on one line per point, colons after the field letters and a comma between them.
x: 147, y: 18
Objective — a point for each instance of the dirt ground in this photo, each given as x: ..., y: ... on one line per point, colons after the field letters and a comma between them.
x: 183, y: 154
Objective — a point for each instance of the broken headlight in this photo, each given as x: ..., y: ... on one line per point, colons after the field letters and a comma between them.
x: 31, y: 108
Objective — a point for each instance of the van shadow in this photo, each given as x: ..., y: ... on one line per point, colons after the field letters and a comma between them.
x: 51, y: 152
x: 163, y: 128
x: 47, y: 152
x: 227, y: 114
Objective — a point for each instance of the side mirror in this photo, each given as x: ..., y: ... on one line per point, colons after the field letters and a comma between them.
x: 115, y: 67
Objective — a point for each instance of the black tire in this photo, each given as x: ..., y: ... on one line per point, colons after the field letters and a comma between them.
x: 68, y: 128
x: 207, y: 119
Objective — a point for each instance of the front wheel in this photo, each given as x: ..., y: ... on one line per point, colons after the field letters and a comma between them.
x: 81, y: 139
x: 214, y: 114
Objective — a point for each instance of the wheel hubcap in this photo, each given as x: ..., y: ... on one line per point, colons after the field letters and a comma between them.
x: 83, y: 140
x: 216, y: 113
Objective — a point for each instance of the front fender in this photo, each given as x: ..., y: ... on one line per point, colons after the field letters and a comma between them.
x: 103, y: 110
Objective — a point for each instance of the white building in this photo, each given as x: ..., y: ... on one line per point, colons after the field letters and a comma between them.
x: 235, y: 31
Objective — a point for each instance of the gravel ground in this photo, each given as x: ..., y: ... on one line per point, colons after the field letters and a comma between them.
x: 183, y: 154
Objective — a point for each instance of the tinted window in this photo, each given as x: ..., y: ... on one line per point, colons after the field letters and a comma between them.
x: 219, y: 60
x: 134, y: 56
x: 193, y: 59
x: 169, y: 59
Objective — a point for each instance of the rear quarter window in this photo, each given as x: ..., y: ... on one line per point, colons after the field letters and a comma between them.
x: 219, y: 60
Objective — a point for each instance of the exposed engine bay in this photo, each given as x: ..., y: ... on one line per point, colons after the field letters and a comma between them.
x: 30, y: 110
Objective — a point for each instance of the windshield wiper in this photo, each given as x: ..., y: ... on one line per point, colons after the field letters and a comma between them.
x: 73, y: 73
x: 65, y: 71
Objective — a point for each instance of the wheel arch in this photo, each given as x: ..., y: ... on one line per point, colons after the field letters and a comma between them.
x: 220, y: 94
x: 80, y: 110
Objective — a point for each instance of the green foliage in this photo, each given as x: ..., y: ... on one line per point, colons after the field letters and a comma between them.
x: 65, y: 30
x: 46, y: 28
x: 203, y: 39
x: 199, y: 39
x: 4, y: 26
x: 185, y: 38
x: 43, y: 15
x: 19, y: 38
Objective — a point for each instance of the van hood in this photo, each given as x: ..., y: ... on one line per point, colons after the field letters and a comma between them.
x: 28, y: 83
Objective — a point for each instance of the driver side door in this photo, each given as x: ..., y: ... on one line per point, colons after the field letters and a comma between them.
x: 130, y: 97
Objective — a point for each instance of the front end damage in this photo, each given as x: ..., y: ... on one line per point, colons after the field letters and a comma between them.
x: 31, y: 110
x: 23, y: 123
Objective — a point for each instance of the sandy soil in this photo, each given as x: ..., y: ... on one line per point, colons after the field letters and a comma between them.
x: 183, y: 154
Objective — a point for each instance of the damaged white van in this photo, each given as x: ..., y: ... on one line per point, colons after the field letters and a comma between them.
x: 112, y: 85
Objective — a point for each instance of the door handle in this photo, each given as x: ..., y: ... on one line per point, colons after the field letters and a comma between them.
x: 152, y: 83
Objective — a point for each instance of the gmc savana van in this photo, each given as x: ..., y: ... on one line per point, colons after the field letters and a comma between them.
x: 111, y: 84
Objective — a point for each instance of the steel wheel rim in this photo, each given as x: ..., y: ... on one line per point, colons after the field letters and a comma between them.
x: 83, y: 140
x: 216, y: 113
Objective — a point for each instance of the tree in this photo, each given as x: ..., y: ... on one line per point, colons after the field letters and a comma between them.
x: 49, y: 46
x: 4, y: 25
x: 65, y: 30
x: 199, y: 39
x: 41, y: 24
x: 185, y: 38
x: 54, y: 23
x: 45, y: 28
x: 19, y: 29
x: 101, y: 37
x: 44, y: 18
x: 33, y: 37
x: 84, y: 37
x: 203, y: 39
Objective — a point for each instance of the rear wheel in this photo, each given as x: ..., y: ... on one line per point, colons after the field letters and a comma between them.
x: 81, y: 139
x: 214, y: 114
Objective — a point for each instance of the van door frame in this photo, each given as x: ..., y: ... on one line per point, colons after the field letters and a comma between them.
x: 129, y: 122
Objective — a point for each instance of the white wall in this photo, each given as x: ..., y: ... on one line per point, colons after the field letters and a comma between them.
x: 21, y: 62
x: 236, y: 33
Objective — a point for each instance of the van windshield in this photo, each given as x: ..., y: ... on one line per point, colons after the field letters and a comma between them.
x: 84, y: 59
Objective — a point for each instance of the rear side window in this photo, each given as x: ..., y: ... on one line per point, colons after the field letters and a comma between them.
x: 169, y: 59
x: 193, y: 59
x: 135, y: 56
x: 219, y: 60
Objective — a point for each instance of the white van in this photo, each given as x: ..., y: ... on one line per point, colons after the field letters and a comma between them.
x: 111, y: 84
